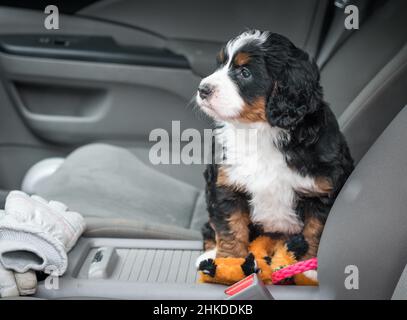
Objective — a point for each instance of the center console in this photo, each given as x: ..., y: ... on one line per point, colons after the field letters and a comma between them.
x: 132, y: 269
x: 110, y: 268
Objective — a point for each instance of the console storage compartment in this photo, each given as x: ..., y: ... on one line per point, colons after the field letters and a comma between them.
x: 132, y: 269
x: 110, y: 268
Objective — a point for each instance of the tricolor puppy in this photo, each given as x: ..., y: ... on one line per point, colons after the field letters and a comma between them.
x: 288, y: 185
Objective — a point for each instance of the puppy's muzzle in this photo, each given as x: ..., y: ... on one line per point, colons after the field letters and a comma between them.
x: 205, y: 91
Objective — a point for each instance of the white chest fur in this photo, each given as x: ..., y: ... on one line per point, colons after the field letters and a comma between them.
x: 254, y: 162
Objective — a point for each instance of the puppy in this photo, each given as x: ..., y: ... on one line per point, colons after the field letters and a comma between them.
x: 285, y: 180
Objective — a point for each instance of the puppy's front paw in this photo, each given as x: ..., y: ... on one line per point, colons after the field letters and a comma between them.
x: 297, y: 245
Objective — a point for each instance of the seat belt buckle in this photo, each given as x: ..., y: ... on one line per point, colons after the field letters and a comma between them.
x: 250, y: 288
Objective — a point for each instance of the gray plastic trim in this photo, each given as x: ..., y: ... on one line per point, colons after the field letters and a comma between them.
x: 72, y: 286
x: 11, y: 18
x: 88, y: 48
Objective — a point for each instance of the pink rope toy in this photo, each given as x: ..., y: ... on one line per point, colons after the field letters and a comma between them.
x: 292, y: 270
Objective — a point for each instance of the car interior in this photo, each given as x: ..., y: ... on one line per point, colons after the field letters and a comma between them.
x: 78, y: 104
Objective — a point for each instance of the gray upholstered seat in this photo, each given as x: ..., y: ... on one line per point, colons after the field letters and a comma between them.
x: 104, y: 181
x: 365, y: 236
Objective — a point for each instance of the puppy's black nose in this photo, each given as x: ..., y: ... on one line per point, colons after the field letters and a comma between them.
x: 205, y: 90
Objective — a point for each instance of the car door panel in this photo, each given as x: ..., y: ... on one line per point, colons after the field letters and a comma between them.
x: 98, y: 100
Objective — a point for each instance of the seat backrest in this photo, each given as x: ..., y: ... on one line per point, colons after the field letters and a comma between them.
x: 366, y: 233
x: 364, y: 79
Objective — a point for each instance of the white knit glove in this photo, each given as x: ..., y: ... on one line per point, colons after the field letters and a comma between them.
x: 36, y: 234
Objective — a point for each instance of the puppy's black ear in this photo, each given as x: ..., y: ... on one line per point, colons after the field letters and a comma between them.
x: 295, y: 91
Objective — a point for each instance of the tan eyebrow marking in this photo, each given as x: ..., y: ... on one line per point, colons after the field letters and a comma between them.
x: 241, y: 58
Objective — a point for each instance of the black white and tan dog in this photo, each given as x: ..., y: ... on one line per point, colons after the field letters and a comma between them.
x: 286, y: 188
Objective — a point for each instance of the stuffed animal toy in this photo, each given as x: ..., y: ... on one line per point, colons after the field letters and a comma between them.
x: 266, y: 257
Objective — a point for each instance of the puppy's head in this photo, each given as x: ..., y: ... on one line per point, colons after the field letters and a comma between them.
x: 261, y: 76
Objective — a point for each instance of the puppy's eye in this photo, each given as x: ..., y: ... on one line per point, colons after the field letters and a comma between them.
x: 245, y: 73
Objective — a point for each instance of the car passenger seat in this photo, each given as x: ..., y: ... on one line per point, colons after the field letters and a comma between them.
x: 364, y: 81
x: 363, y: 249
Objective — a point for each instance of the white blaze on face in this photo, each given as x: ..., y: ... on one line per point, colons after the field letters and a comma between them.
x: 225, y: 101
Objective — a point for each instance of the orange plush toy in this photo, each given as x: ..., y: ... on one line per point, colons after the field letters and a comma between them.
x: 266, y: 257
